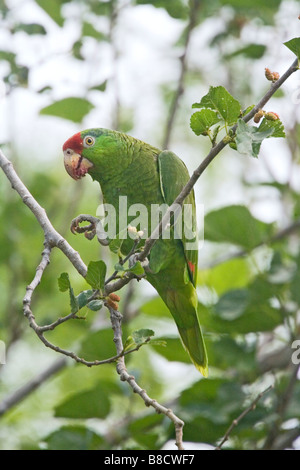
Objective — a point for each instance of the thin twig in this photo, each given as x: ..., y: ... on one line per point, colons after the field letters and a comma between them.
x: 283, y: 402
x: 32, y: 385
x: 236, y: 421
x: 116, y: 320
x: 195, y: 5
x: 52, y: 237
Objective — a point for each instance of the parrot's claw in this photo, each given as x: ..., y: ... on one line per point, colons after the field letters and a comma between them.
x: 94, y: 228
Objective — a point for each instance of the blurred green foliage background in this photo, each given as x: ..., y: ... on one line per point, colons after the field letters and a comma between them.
x: 137, y: 66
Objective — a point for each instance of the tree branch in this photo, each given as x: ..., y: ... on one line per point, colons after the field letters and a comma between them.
x: 195, y: 5
x: 116, y: 320
x: 208, y: 159
x: 52, y: 237
x: 236, y: 421
x: 32, y: 385
x: 283, y: 402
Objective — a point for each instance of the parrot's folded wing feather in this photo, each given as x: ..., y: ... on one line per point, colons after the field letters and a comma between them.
x: 173, y: 177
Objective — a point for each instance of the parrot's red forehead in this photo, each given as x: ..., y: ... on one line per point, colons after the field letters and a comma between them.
x: 75, y: 143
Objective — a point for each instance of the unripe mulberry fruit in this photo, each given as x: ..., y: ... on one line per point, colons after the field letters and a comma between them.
x: 271, y: 76
x: 271, y: 116
x: 114, y: 297
x: 258, y: 116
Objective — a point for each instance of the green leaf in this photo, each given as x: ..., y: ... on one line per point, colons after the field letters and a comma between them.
x: 92, y: 403
x: 95, y: 305
x: 30, y: 28
x: 74, y: 109
x: 232, y: 274
x: 276, y: 126
x: 89, y: 30
x: 232, y: 304
x: 248, y: 109
x: 137, y: 269
x: 52, y: 8
x: 173, y: 350
x: 203, y: 120
x: 220, y: 100
x: 294, y: 46
x: 147, y: 431
x: 84, y: 297
x: 141, y: 336
x: 254, y: 314
x: 95, y: 276
x: 116, y: 243
x: 252, y: 51
x: 74, y: 438
x: 64, y: 285
x: 176, y: 8
x: 156, y: 307
x: 228, y: 353
x: 249, y: 138
x: 101, y: 87
x: 236, y: 225
x: 98, y: 345
x: 137, y: 338
x: 64, y: 282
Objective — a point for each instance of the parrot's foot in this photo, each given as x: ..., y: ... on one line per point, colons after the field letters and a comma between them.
x: 94, y: 228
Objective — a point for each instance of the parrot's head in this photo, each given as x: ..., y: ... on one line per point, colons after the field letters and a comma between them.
x: 93, y: 151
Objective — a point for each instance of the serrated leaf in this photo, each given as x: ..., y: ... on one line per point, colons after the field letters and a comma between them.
x: 294, y: 46
x: 95, y: 276
x: 74, y: 109
x: 64, y: 282
x: 276, y: 126
x: 142, y: 335
x: 220, y: 100
x: 249, y: 138
x: 203, y: 120
x: 137, y: 338
x: 95, y: 305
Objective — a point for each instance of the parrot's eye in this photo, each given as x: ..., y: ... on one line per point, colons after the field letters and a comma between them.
x: 88, y: 141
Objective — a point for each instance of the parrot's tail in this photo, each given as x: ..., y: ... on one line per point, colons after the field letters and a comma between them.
x: 193, y: 342
x: 182, y: 303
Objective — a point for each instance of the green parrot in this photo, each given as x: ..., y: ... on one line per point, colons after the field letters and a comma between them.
x: 125, y: 166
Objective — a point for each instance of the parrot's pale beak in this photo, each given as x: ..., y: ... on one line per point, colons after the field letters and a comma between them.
x: 76, y: 165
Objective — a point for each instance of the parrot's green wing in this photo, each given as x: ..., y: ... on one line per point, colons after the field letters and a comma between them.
x: 173, y: 177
